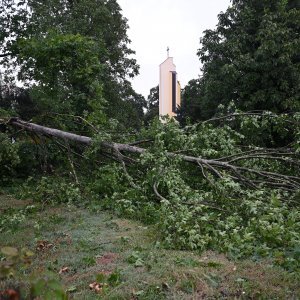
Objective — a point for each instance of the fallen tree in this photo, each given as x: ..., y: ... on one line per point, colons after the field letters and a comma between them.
x: 249, y: 177
x: 204, y: 187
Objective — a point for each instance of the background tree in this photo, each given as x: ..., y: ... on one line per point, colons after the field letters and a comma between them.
x: 71, y: 54
x: 152, y: 104
x: 191, y: 108
x: 129, y: 111
x: 251, y: 58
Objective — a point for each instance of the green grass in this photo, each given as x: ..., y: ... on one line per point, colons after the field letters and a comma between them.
x: 126, y: 259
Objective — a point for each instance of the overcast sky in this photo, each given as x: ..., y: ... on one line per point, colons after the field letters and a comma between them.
x: 157, y: 24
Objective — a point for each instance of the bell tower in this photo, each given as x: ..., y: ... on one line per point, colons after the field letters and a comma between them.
x: 169, y: 88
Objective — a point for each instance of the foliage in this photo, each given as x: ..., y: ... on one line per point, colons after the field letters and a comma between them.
x: 17, y: 101
x: 73, y: 57
x: 51, y: 190
x: 129, y: 112
x: 251, y: 58
x: 48, y: 287
x: 10, y: 221
x: 66, y: 68
x: 26, y: 155
x: 196, y: 212
x: 13, y: 259
x: 9, y: 157
x: 191, y: 109
x: 152, y: 105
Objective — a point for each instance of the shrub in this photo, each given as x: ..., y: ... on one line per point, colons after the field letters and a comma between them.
x: 52, y: 190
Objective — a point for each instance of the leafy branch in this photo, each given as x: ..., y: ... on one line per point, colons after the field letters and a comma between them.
x: 222, y: 167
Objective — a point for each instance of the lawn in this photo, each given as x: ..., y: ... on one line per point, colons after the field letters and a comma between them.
x: 87, y: 253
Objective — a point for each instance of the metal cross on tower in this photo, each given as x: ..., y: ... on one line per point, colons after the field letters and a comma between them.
x: 168, y: 49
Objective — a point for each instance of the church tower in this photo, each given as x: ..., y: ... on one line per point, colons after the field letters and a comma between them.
x: 169, y: 88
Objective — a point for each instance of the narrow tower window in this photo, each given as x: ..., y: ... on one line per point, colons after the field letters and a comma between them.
x: 174, y: 81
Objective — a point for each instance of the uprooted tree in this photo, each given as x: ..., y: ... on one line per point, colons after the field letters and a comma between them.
x: 207, y: 186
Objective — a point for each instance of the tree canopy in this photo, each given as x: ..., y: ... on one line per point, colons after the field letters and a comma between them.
x: 152, y: 104
x: 72, y: 56
x: 251, y: 59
